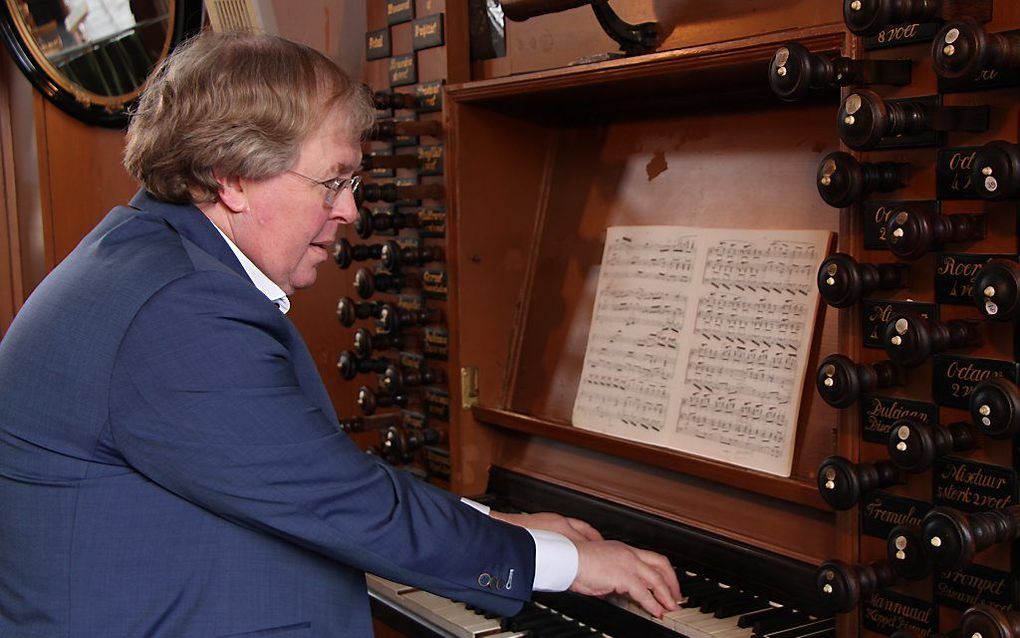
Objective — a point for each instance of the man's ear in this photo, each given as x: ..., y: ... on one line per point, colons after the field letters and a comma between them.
x: 232, y: 193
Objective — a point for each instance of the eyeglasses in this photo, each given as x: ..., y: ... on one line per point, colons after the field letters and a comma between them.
x: 334, y: 186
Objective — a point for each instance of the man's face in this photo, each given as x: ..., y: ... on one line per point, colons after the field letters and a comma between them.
x: 287, y: 230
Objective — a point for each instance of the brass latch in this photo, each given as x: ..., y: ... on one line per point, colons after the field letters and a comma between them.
x: 468, y: 387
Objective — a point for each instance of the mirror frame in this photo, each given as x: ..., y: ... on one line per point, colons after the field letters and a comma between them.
x: 89, y: 107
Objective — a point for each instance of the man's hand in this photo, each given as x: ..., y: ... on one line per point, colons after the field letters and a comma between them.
x: 576, y: 530
x: 606, y: 567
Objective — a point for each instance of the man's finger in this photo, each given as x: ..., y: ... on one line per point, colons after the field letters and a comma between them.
x: 645, y: 598
x: 661, y: 564
x: 655, y: 581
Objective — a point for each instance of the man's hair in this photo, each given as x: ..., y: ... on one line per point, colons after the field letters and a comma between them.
x: 234, y: 105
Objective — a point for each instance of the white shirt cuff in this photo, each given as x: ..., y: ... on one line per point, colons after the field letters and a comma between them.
x: 484, y: 509
x: 555, y: 561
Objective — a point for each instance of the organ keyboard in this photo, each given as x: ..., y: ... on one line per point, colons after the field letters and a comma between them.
x: 730, y: 590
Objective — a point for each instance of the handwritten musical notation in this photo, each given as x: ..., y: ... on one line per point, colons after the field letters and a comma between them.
x: 699, y: 340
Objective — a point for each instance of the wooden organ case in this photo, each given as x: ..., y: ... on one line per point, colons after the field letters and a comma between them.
x: 868, y: 118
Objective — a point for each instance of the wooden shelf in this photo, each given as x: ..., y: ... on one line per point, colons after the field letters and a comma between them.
x: 708, y: 74
x: 749, y: 480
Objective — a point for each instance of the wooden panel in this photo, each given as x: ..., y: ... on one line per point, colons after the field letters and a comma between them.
x: 10, y: 252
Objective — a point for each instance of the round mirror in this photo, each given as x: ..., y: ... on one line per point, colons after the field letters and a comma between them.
x: 90, y: 57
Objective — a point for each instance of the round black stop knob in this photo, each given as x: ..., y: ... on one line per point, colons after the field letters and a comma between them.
x: 384, y: 100
x: 842, y: 180
x: 367, y: 284
x: 962, y: 49
x: 365, y: 343
x: 911, y: 234
x: 841, y: 381
x: 394, y: 319
x: 997, y: 290
x: 364, y: 224
x: 864, y: 119
x: 985, y: 621
x: 994, y: 406
x: 841, y: 586
x: 842, y: 482
x: 794, y: 71
x: 396, y: 378
x: 996, y: 171
x: 910, y: 338
x: 348, y: 311
x: 350, y: 365
x: 401, y: 444
x: 869, y: 17
x: 369, y: 400
x: 394, y: 256
x: 368, y: 222
x: 905, y: 553
x: 914, y: 446
x: 345, y: 253
x: 953, y: 538
x: 842, y: 281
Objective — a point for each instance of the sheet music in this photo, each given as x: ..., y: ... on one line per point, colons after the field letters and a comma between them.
x: 700, y: 339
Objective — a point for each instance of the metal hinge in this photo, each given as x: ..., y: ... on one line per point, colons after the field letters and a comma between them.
x: 468, y: 387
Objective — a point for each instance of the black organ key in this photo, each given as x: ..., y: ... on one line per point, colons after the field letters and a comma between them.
x: 348, y: 311
x: 369, y: 400
x: 345, y: 253
x: 905, y: 553
x: 842, y: 180
x: 914, y: 446
x: 780, y: 621
x: 997, y: 290
x: 952, y: 538
x: 994, y: 405
x: 995, y: 174
x: 365, y: 343
x: 843, y: 281
x: 910, y: 339
x: 349, y: 365
x: 990, y: 622
x: 368, y: 222
x: 795, y: 71
x: 842, y: 586
x: 741, y: 606
x: 841, y: 381
x: 865, y: 119
x: 750, y: 619
x: 913, y: 234
x: 842, y: 483
x: 962, y: 49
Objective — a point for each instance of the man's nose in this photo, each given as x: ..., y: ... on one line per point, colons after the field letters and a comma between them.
x: 346, y: 209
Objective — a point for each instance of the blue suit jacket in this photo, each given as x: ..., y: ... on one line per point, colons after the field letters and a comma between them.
x: 170, y: 463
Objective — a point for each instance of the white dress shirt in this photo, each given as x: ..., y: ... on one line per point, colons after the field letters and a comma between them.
x: 555, y: 555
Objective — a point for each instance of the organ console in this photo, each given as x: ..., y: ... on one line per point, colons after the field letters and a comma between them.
x: 396, y: 378
x: 914, y: 446
x: 388, y: 129
x: 870, y: 17
x: 842, y: 482
x: 349, y: 365
x: 394, y: 256
x: 394, y: 319
x: 842, y: 180
x: 997, y: 290
x: 952, y: 538
x: 794, y: 71
x: 986, y: 621
x: 393, y: 192
x: 842, y: 281
x: 403, y: 160
x: 365, y: 343
x: 994, y: 406
x: 348, y: 311
x: 905, y: 553
x: 865, y: 119
x: 344, y: 253
x: 367, y: 284
x: 841, y: 381
x: 996, y: 171
x: 911, y: 234
x: 369, y: 400
x: 963, y: 49
x: 910, y: 338
x: 842, y: 586
x: 367, y: 223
